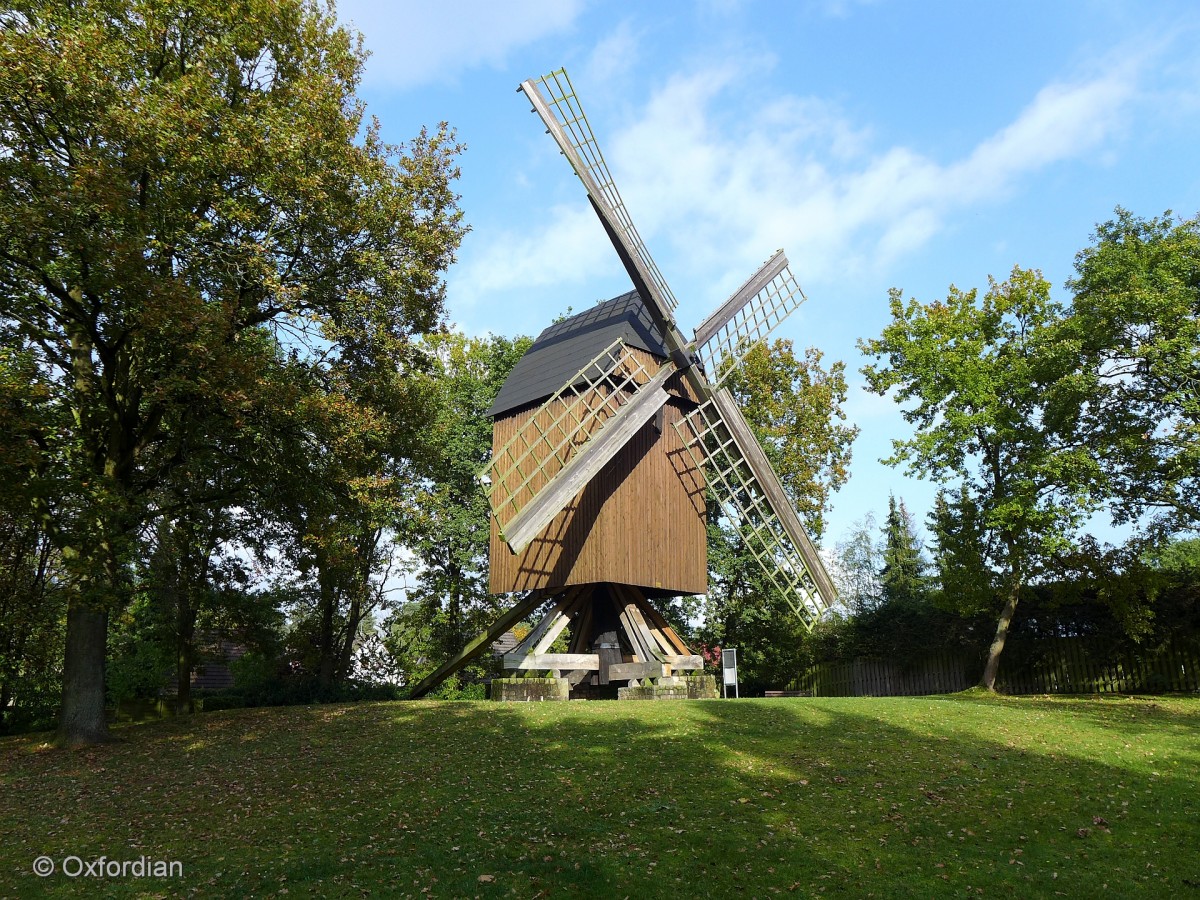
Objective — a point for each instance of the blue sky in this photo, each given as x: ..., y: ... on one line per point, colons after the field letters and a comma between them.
x: 907, y: 144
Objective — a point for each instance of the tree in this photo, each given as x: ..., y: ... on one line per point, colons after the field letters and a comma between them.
x: 175, y: 179
x: 794, y: 407
x: 859, y: 562
x: 986, y: 377
x: 1136, y: 323
x: 31, y: 603
x: 449, y: 531
x: 350, y: 492
x: 902, y: 578
x: 965, y: 578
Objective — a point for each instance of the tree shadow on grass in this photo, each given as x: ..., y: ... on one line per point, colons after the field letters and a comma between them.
x: 916, y: 797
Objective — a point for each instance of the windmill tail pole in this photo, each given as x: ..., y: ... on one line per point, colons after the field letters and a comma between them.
x: 478, y: 645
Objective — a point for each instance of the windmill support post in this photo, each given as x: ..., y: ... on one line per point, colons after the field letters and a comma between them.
x: 478, y: 645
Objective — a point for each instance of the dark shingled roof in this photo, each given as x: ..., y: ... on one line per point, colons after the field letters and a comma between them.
x: 566, y: 347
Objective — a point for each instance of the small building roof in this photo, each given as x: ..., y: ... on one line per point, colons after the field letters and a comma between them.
x: 567, y: 346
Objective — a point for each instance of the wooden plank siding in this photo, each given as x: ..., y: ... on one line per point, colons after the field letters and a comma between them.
x: 640, y: 521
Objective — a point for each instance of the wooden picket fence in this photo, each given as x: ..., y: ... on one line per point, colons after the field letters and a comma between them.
x: 943, y: 673
x: 1078, y: 666
x: 1057, y: 666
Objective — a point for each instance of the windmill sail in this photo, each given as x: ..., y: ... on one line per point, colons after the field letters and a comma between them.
x: 554, y: 100
x: 738, y: 470
x: 769, y: 296
x: 743, y: 482
x: 564, y: 443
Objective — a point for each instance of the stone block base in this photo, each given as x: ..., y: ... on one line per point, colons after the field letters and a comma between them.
x: 680, y: 687
x: 525, y: 689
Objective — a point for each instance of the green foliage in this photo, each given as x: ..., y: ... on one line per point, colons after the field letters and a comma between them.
x: 199, y: 228
x: 794, y: 407
x: 141, y: 653
x: 467, y: 684
x: 32, y: 613
x: 449, y: 529
x: 1135, y: 328
x: 966, y: 582
x: 902, y: 577
x: 981, y: 373
x: 985, y: 379
x: 1179, y: 557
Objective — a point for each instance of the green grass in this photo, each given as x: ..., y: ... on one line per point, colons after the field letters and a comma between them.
x: 902, y: 797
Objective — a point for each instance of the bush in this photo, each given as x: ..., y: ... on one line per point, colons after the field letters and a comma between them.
x: 466, y: 685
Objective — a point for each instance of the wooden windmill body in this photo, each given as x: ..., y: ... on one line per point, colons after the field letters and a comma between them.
x: 610, y: 437
x: 640, y: 520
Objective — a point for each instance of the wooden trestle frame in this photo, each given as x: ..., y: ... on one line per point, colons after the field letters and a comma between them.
x: 645, y: 646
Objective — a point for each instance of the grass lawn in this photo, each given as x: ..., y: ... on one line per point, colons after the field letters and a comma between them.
x: 854, y: 797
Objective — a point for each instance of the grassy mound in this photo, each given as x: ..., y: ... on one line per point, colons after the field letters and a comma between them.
x: 847, y: 797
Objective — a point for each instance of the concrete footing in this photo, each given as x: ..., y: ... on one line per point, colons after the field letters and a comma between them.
x: 526, y: 689
x: 678, y: 687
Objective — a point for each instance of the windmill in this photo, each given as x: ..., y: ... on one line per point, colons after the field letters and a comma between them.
x: 606, y: 438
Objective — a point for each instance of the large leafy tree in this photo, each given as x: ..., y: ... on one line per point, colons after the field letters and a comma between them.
x: 985, y: 376
x: 1136, y: 323
x: 350, y: 494
x: 794, y: 406
x: 450, y: 527
x: 174, y: 178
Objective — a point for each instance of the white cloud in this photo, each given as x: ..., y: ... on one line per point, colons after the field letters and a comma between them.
x: 614, y: 57
x: 719, y: 191
x: 569, y: 248
x: 1062, y: 121
x: 416, y: 43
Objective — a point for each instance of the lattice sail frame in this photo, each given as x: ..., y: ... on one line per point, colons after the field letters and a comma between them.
x: 725, y: 350
x: 743, y: 500
x: 560, y: 427
x: 560, y: 96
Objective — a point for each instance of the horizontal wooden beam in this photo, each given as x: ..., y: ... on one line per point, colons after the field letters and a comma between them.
x: 684, y: 662
x: 625, y: 671
x: 552, y: 661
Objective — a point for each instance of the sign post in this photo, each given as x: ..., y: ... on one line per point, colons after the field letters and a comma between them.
x: 729, y: 672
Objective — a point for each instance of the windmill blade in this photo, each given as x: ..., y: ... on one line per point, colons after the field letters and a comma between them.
x: 554, y: 100
x: 743, y: 482
x: 569, y: 439
x: 744, y: 320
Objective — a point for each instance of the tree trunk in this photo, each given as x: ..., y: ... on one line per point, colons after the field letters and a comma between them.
x: 992, y: 668
x: 82, y: 719
x: 326, y: 655
x: 185, y: 652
